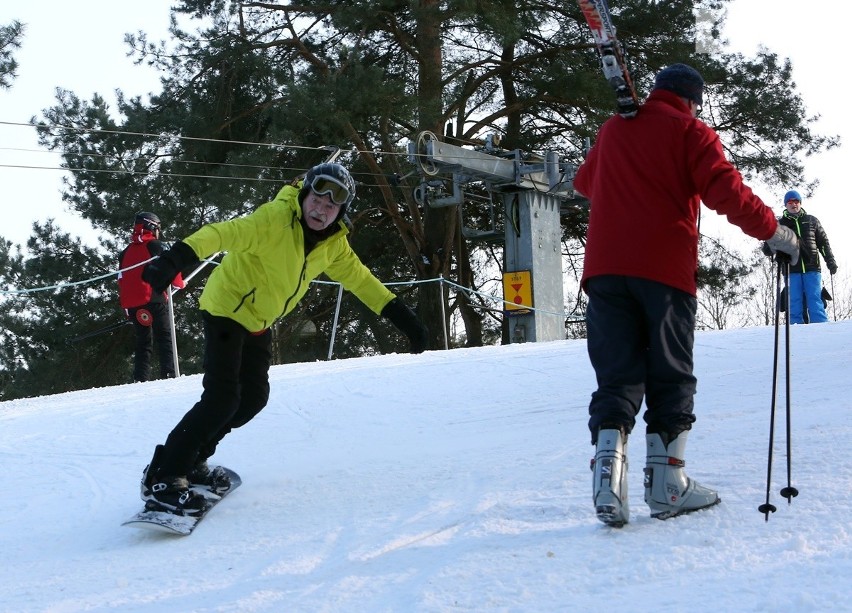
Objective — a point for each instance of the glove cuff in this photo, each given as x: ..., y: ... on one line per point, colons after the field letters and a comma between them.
x: 181, y: 255
x: 400, y: 315
x: 395, y: 309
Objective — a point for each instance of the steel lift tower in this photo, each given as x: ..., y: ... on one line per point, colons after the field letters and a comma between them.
x: 532, y: 189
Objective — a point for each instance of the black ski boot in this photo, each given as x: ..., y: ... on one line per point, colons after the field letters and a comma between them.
x: 168, y: 492
x: 215, y: 479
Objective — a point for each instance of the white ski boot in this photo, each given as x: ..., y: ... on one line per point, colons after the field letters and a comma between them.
x: 668, y: 490
x: 609, y: 484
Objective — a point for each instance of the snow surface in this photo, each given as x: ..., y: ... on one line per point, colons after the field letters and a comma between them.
x: 448, y: 481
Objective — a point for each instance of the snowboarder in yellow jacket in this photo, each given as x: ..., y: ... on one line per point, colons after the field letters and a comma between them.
x: 272, y: 256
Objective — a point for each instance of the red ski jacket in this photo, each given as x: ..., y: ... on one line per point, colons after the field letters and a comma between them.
x: 132, y: 290
x: 646, y: 178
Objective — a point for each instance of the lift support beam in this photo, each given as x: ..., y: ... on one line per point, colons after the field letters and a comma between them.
x: 532, y: 190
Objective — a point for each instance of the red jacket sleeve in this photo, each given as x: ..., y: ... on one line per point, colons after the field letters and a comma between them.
x: 721, y: 186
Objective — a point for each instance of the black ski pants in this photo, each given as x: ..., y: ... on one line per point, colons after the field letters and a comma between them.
x: 236, y: 388
x: 152, y: 327
x: 640, y: 340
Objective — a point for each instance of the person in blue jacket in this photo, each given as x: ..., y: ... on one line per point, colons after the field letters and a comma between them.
x: 806, y: 275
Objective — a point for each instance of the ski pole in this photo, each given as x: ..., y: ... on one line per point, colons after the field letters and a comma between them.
x: 766, y: 508
x: 788, y: 492
x: 104, y: 330
x: 171, y: 311
x: 833, y: 303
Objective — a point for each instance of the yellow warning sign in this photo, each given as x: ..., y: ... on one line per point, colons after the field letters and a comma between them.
x: 517, y: 292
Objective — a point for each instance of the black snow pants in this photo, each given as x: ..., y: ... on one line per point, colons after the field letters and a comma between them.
x: 236, y: 388
x: 640, y: 341
x: 152, y: 327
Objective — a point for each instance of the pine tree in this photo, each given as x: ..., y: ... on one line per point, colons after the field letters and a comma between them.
x: 10, y: 40
x: 250, y: 100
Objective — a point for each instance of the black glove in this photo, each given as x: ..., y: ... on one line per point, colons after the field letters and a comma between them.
x: 406, y: 321
x: 160, y: 273
x: 832, y: 267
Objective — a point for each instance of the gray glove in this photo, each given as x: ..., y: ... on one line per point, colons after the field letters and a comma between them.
x: 785, y: 241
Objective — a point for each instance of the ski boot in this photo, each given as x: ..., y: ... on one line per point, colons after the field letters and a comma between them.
x: 609, y: 483
x: 216, y: 479
x: 668, y: 490
x: 168, y: 493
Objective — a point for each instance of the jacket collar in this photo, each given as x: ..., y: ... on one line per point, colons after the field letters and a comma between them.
x: 142, y: 235
x: 668, y: 98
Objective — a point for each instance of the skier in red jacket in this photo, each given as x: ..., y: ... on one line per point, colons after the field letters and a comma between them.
x: 146, y: 308
x: 645, y: 179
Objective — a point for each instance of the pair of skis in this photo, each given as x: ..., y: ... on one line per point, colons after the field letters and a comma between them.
x: 615, y: 70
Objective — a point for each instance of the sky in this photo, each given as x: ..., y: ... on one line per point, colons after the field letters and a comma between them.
x: 85, y: 52
x: 797, y: 31
x: 442, y: 482
x: 79, y: 50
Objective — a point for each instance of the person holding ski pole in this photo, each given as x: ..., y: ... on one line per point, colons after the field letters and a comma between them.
x: 145, y: 308
x: 645, y: 178
x: 806, y: 276
x: 272, y: 256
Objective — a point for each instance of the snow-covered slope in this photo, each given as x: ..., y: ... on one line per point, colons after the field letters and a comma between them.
x: 448, y: 481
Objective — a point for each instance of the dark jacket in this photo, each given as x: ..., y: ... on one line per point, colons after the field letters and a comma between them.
x: 813, y: 241
x: 646, y: 178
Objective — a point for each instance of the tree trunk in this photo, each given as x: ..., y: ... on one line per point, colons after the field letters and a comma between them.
x: 439, y: 224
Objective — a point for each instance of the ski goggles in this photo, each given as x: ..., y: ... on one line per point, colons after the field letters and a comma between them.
x: 323, y: 185
x: 149, y: 225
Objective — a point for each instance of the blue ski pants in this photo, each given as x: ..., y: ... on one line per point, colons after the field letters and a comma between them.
x: 805, y: 293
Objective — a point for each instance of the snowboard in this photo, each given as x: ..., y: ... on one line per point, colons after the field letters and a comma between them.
x: 182, y: 525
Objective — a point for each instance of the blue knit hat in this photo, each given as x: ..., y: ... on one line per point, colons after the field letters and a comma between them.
x: 683, y: 80
x: 792, y: 195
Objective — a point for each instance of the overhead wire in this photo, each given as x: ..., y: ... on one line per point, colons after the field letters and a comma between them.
x: 118, y: 158
x: 178, y: 137
x: 259, y: 167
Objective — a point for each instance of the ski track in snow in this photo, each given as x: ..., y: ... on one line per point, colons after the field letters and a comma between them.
x: 449, y: 481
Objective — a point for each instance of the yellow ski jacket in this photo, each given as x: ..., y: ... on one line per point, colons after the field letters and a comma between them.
x: 266, y: 272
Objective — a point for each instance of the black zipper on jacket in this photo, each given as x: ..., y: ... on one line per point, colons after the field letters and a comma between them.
x: 798, y: 231
x: 298, y: 285
x: 293, y: 222
x: 245, y: 297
